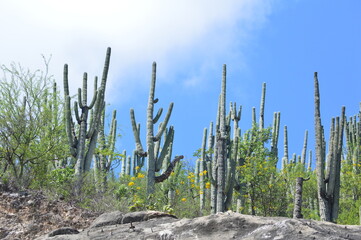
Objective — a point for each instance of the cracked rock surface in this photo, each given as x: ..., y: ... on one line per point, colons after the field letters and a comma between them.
x: 229, y: 225
x: 29, y: 215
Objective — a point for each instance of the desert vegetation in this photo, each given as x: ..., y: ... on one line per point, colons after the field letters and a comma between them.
x: 64, y: 147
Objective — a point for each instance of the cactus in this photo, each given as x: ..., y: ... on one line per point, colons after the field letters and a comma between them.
x: 309, y: 161
x: 275, y: 134
x: 201, y: 164
x: 328, y: 182
x: 83, y: 143
x: 222, y: 162
x: 154, y: 161
x: 261, y: 109
x: 285, y: 151
x: 353, y: 142
x: 106, y: 145
x: 297, y: 210
x: 304, y: 149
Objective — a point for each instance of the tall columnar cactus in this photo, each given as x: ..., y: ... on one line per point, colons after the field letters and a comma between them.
x: 233, y: 157
x: 261, y: 109
x: 221, y: 146
x: 297, y: 210
x: 222, y: 163
x: 154, y: 161
x: 82, y: 144
x: 304, y: 149
x: 275, y: 134
x: 309, y: 164
x: 124, y: 160
x: 353, y: 142
x: 201, y: 173
x: 106, y: 147
x: 285, y: 151
x: 328, y: 180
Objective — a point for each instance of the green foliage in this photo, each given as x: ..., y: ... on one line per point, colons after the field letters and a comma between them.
x: 350, y: 201
x: 31, y: 130
x: 60, y: 181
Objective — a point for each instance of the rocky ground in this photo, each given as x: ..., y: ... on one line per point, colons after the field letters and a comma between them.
x: 28, y: 215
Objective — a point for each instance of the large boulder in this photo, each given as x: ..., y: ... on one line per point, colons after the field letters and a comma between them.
x: 229, y: 225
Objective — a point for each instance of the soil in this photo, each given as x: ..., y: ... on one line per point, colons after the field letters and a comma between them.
x: 29, y: 214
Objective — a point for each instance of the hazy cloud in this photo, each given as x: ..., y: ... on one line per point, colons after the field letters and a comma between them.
x: 184, y: 37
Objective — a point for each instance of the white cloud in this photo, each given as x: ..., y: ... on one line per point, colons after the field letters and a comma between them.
x: 179, y: 35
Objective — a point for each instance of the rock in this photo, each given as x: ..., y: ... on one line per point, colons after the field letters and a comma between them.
x: 107, y: 219
x: 28, y: 214
x: 63, y: 231
x: 32, y: 216
x: 157, y: 225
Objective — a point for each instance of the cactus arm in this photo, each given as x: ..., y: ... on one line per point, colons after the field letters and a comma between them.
x: 157, y: 146
x: 139, y: 147
x: 80, y: 100
x: 165, y: 149
x: 93, y: 100
x: 65, y: 80
x: 76, y: 112
x: 169, y: 170
x: 165, y: 122
x: 157, y: 116
x: 105, y: 69
x: 68, y: 122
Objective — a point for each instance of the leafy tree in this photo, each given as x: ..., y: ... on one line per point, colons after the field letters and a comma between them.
x: 31, y: 130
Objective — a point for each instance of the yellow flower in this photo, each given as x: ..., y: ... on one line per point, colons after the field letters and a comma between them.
x: 201, y: 174
x: 132, y: 178
x: 141, y: 175
x: 192, y: 180
x: 138, y: 188
x: 177, y: 191
x: 192, y: 185
x: 183, y: 199
x: 172, y: 173
x: 200, y: 192
x: 137, y: 168
x: 131, y: 184
x: 205, y: 172
x: 208, y: 185
x: 182, y: 182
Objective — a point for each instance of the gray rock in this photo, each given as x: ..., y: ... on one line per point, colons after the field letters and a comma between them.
x: 107, y: 219
x: 157, y: 225
x: 63, y: 231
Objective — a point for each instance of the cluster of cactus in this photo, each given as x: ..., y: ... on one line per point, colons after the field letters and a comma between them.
x: 105, y: 153
x: 83, y: 138
x: 353, y: 142
x: 221, y: 156
x: 156, y: 158
x: 328, y: 171
x: 301, y: 158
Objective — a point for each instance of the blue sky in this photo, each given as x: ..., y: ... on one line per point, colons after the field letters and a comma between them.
x: 278, y: 42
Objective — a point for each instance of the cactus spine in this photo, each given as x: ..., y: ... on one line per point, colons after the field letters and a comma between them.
x: 83, y: 143
x: 328, y: 183
x: 154, y: 162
